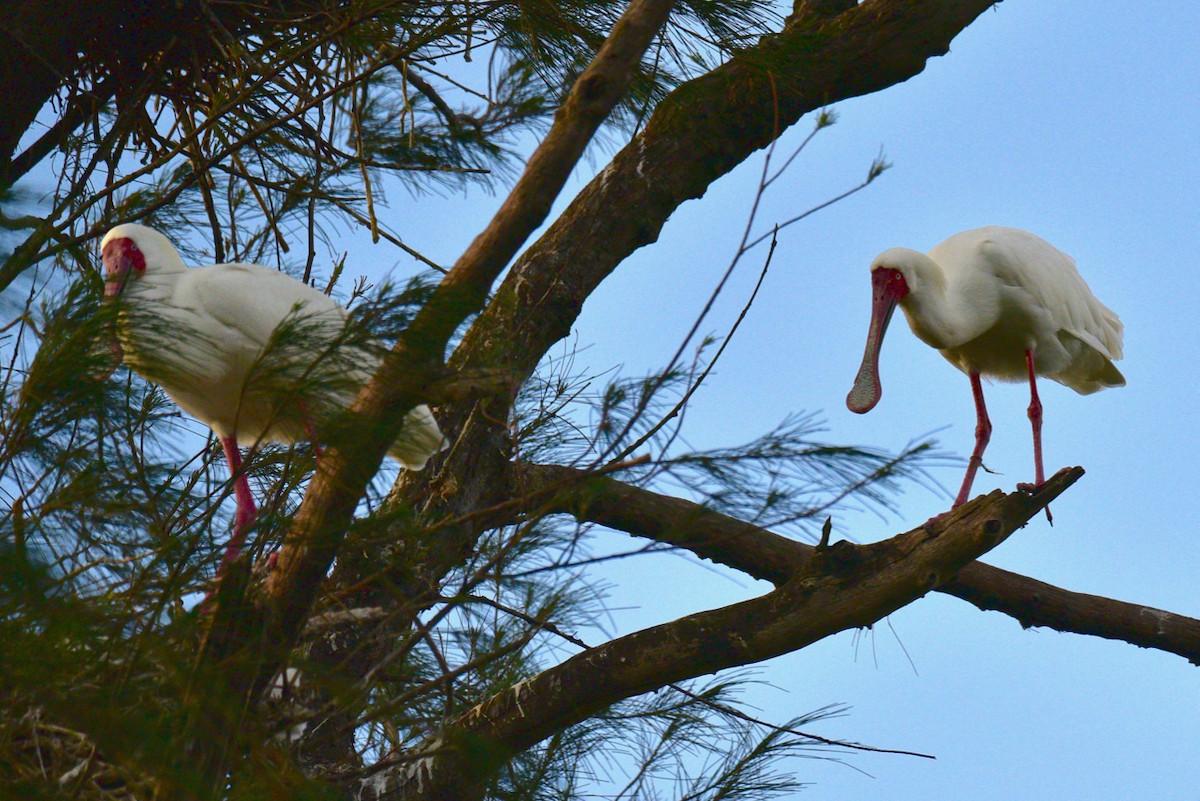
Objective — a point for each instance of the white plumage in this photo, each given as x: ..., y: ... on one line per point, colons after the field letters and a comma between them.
x: 998, y: 302
x: 254, y: 354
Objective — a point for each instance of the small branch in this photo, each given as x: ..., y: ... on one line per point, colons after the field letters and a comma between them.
x: 424, y: 87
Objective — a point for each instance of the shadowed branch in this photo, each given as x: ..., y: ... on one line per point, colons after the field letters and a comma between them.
x: 771, y: 557
x: 835, y: 588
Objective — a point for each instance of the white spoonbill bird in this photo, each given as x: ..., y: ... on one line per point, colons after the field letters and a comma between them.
x: 998, y: 302
x: 216, y: 340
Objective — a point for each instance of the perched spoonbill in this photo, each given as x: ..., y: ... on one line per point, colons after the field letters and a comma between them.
x: 998, y: 302
x: 215, y: 339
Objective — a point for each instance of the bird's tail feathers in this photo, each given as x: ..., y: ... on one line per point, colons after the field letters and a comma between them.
x: 419, y: 439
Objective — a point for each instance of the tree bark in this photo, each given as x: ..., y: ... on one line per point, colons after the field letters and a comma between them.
x: 772, y: 557
x: 836, y: 588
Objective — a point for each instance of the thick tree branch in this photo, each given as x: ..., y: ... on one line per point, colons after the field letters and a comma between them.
x: 346, y: 469
x: 839, y: 587
x: 595, y: 94
x: 1035, y: 603
x: 589, y: 498
x: 771, y: 557
x: 247, y: 661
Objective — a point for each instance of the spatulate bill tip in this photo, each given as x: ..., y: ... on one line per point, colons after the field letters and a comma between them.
x: 864, y: 394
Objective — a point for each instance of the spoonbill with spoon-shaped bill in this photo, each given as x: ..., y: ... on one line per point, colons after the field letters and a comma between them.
x: 999, y: 302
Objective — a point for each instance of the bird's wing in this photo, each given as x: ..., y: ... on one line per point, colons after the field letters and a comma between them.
x: 1052, y: 281
x: 246, y: 303
x: 419, y: 439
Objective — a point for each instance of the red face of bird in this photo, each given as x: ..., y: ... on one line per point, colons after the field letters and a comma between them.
x: 123, y: 262
x: 888, y: 287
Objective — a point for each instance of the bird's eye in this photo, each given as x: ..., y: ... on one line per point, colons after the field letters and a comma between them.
x: 133, y: 246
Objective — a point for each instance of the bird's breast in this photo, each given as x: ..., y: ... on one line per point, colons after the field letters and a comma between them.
x: 203, y: 375
x: 998, y: 353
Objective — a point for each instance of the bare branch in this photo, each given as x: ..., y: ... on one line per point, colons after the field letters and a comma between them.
x: 1036, y: 603
x: 837, y: 588
x: 771, y: 557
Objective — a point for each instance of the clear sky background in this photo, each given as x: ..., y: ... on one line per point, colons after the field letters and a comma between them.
x: 1077, y: 121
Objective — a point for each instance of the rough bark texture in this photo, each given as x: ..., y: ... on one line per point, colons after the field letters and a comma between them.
x: 772, y: 557
x: 837, y: 587
x: 1036, y: 603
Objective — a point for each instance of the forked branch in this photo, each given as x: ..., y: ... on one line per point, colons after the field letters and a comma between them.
x: 836, y: 588
x: 771, y: 557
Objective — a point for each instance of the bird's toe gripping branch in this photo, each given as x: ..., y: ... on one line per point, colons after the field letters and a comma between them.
x: 1036, y: 496
x: 1035, y: 489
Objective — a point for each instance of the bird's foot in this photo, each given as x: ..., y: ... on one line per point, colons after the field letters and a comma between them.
x: 1034, y: 489
x: 935, y: 524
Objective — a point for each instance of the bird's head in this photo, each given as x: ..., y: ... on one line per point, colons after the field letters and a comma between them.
x: 897, y: 272
x: 134, y: 256
x: 890, y: 275
x: 132, y: 251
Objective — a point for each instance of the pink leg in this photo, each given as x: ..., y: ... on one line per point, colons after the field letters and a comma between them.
x: 318, y: 451
x: 246, y: 511
x: 983, y: 433
x: 1035, y: 418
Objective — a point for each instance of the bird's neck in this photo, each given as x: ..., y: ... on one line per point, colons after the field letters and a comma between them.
x: 938, y: 316
x: 147, y: 314
x: 153, y: 288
